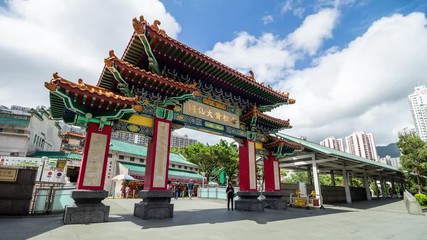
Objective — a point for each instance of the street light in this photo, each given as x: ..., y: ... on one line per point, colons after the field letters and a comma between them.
x: 226, y: 177
x: 44, y: 158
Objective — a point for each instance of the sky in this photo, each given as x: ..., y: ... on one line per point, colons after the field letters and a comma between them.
x: 349, y: 64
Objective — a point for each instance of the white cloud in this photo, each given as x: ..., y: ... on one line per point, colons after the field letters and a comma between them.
x: 71, y: 37
x: 363, y: 87
x: 265, y: 56
x: 294, y: 7
x: 314, y: 30
x: 287, y: 6
x: 267, y: 19
x: 299, y: 11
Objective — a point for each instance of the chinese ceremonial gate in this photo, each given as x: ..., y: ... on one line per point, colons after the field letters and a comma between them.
x: 158, y: 85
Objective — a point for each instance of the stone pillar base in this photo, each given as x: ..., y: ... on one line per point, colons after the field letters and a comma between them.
x: 154, y: 205
x: 87, y: 208
x: 249, y: 202
x: 274, y: 200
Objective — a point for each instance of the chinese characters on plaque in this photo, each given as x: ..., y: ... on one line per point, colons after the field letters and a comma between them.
x: 209, y: 113
x: 252, y: 168
x: 95, y: 160
x: 162, y: 144
x: 8, y: 174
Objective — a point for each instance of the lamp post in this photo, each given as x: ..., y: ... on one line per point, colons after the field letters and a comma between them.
x: 226, y: 177
x: 41, y: 172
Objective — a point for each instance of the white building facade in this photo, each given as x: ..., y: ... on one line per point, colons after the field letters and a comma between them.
x: 24, y: 131
x: 418, y: 104
x: 362, y: 144
x: 335, y: 143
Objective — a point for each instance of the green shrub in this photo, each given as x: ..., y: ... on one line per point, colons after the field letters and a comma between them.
x: 421, y: 198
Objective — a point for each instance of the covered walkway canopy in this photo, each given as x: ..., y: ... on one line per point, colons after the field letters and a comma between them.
x: 320, y: 159
x: 138, y: 171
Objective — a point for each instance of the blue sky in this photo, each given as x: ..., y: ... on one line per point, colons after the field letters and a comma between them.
x: 349, y: 64
x: 206, y: 22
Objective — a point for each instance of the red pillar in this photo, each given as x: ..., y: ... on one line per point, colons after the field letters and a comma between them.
x: 157, y: 164
x: 247, y: 166
x: 271, y: 174
x: 95, y: 156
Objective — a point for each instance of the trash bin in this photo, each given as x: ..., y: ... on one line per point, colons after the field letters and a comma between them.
x: 316, y: 202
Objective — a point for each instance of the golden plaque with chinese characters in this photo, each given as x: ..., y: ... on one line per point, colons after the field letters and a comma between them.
x: 210, y: 113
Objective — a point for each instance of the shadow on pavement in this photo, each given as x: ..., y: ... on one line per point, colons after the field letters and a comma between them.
x: 386, y: 203
x: 25, y: 227
x: 214, y: 216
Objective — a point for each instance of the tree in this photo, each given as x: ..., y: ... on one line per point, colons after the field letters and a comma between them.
x: 296, y: 177
x: 228, y: 157
x: 204, y: 156
x: 414, y: 156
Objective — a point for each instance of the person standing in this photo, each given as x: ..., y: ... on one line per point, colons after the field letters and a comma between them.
x: 177, y: 190
x: 190, y: 189
x: 127, y: 191
x: 230, y: 196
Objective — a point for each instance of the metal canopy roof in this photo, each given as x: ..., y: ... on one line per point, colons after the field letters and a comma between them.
x: 329, y: 159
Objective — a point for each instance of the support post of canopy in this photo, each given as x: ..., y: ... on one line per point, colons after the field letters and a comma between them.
x: 366, y: 185
x: 346, y: 186
x: 333, y: 178
x: 393, y: 189
x: 309, y: 175
x: 317, y: 187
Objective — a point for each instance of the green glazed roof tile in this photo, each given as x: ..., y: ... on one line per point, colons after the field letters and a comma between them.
x: 57, y: 155
x: 172, y: 172
x: 13, y: 121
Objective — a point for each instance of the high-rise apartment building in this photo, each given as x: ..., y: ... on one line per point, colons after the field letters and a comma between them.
x: 332, y: 142
x: 418, y: 103
x: 362, y: 144
x: 176, y: 141
x: 182, y: 141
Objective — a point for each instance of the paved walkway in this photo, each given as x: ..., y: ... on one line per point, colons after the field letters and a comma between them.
x: 209, y: 219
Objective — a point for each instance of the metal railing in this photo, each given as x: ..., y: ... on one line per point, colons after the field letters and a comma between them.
x: 214, y: 193
x: 51, y: 197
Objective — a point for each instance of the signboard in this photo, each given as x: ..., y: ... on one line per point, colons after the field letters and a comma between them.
x: 8, y: 174
x: 52, y: 163
x: 20, y: 161
x: 210, y: 113
x: 61, y: 164
x: 72, y: 163
x: 302, y: 187
x: 95, y: 160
